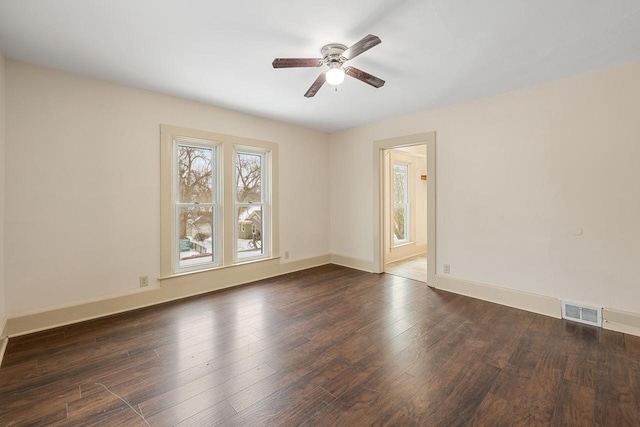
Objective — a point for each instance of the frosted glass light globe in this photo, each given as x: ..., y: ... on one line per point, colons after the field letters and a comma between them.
x: 335, y: 76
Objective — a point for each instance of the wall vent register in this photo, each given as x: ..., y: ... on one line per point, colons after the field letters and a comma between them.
x: 581, y: 313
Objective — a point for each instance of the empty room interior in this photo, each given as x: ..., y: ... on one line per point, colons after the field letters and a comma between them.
x: 275, y: 213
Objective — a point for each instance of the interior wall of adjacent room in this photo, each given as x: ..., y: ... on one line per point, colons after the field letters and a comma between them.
x: 418, y: 200
x: 83, y: 198
x: 420, y: 192
x: 536, y: 189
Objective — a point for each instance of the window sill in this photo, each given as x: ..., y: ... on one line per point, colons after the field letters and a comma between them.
x: 221, y: 267
x: 400, y: 245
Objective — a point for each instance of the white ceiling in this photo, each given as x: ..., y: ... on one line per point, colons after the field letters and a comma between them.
x: 433, y: 52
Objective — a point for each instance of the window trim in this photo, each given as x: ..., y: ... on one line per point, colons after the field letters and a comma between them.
x: 228, y: 230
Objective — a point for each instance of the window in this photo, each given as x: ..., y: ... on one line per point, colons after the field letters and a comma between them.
x: 217, y: 201
x: 401, y: 203
x: 195, y: 203
x: 250, y: 198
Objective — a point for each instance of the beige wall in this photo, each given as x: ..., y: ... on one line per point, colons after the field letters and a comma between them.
x: 518, y: 176
x: 2, y: 181
x: 82, y: 191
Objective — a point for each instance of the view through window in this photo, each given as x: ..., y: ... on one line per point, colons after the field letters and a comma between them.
x: 400, y: 203
x: 195, y: 201
x: 250, y: 196
x: 218, y: 201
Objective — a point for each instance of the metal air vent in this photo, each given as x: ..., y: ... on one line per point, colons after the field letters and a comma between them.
x: 581, y: 313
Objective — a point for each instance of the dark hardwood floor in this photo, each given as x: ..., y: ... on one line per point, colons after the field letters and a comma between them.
x: 327, y: 346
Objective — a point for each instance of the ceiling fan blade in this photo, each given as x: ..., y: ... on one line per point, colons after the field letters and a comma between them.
x: 362, y: 46
x: 315, y: 87
x: 296, y: 62
x: 364, y: 77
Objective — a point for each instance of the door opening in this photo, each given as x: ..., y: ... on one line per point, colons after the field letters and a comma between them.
x: 404, y: 213
x: 404, y: 204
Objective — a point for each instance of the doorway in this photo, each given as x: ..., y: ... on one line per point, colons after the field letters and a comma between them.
x: 398, y: 252
x: 405, y: 211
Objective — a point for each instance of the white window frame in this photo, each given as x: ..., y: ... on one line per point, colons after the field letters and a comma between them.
x: 216, y: 246
x: 227, y: 225
x: 406, y: 204
x: 264, y: 203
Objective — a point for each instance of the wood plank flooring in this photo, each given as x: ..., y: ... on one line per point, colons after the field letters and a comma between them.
x: 323, y: 347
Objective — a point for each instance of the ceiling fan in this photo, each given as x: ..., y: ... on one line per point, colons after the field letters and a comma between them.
x: 334, y: 56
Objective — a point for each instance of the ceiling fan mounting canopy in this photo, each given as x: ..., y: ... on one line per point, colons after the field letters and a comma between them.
x: 334, y: 56
x: 332, y: 53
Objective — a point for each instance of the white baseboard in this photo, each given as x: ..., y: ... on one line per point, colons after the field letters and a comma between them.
x: 3, y: 327
x: 355, y: 263
x: 171, y: 289
x: 621, y: 321
x: 3, y: 337
x: 3, y: 348
x: 182, y: 287
x: 534, y: 303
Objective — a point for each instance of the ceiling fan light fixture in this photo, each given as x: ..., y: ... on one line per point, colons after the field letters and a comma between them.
x: 335, y: 76
x: 334, y: 56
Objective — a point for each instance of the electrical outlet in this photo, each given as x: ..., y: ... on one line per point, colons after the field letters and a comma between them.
x: 286, y: 254
x: 144, y: 281
x: 447, y: 269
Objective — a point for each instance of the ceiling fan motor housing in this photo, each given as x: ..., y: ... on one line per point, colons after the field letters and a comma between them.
x: 332, y: 54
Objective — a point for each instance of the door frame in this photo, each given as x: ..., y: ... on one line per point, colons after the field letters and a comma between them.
x: 428, y: 138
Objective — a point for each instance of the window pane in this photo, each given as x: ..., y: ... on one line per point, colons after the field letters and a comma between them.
x: 195, y: 234
x: 400, y: 173
x: 399, y: 229
x: 248, y: 177
x: 249, y: 228
x: 195, y: 174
